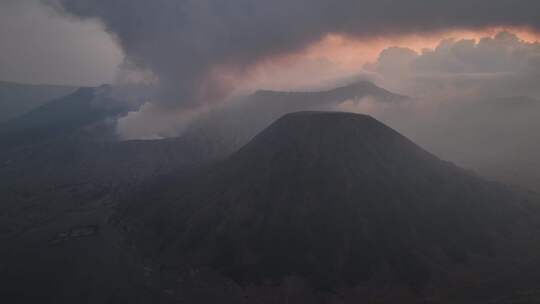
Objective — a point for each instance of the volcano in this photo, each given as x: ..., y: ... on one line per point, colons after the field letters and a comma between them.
x: 337, y: 199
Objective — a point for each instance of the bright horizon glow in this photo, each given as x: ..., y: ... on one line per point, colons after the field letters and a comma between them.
x: 349, y: 50
x: 338, y: 56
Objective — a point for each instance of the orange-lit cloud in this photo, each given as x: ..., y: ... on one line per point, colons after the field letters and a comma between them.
x: 339, y: 56
x: 349, y: 51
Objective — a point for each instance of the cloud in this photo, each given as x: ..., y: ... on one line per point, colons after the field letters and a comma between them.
x: 155, y: 122
x: 504, y: 53
x: 38, y: 46
x: 497, y: 66
x: 195, y: 47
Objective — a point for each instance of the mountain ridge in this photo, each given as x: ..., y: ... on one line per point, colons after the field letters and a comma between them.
x: 356, y: 89
x: 17, y: 99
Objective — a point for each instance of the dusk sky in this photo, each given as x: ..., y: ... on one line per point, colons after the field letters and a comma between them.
x: 46, y: 42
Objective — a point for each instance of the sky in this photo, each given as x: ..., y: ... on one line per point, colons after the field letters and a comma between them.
x: 39, y: 46
x: 80, y: 42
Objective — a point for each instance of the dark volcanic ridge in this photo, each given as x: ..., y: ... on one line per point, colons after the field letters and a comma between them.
x: 336, y: 199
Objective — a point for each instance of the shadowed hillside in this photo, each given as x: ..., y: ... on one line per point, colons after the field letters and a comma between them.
x: 17, y: 99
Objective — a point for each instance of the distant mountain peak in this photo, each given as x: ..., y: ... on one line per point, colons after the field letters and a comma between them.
x: 357, y: 89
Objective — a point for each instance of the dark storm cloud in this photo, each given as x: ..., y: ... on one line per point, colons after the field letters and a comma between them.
x: 194, y: 45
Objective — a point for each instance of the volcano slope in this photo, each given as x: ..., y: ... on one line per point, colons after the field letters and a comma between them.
x: 346, y: 206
